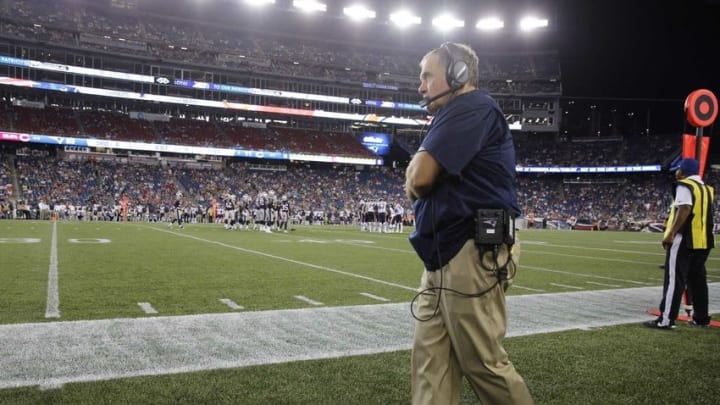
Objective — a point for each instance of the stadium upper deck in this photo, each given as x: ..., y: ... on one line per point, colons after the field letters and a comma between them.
x: 83, y: 34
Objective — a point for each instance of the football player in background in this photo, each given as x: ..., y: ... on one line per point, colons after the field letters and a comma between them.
x: 398, y: 212
x: 229, y: 211
x: 177, y: 210
x: 284, y: 214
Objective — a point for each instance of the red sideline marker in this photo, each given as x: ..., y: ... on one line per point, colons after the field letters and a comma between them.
x: 684, y: 318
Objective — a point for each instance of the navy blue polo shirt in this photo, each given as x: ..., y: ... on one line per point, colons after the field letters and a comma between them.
x: 470, y: 139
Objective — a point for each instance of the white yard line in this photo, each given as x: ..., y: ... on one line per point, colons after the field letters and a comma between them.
x: 600, y: 259
x: 375, y: 297
x: 527, y: 288
x: 147, y: 308
x: 230, y: 303
x: 604, y: 284
x: 658, y: 252
x: 314, y: 266
x: 382, y: 281
x: 346, y: 242
x: 308, y: 300
x: 572, y: 287
x: 52, y: 307
x: 522, y: 267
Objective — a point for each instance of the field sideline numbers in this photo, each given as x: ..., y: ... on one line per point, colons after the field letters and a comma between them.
x: 350, y: 241
x: 19, y: 240
x: 95, y: 241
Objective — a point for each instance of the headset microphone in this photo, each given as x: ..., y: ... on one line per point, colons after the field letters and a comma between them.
x: 427, y: 101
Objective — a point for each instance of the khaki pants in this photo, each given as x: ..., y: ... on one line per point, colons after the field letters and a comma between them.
x: 464, y: 337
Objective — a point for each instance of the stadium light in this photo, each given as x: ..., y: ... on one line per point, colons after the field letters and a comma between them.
x: 259, y: 2
x: 490, y: 24
x: 531, y: 23
x: 359, y: 12
x: 446, y: 22
x: 309, y: 6
x: 404, y: 18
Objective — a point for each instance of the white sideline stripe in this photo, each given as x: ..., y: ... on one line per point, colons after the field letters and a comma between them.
x: 38, y: 354
x: 308, y: 300
x: 527, y: 288
x: 52, y: 307
x: 635, y: 252
x: 376, y: 247
x: 603, y: 284
x: 145, y: 306
x: 524, y: 242
x: 574, y: 287
x: 522, y: 267
x: 604, y: 259
x: 50, y: 386
x: 314, y: 266
x: 375, y: 297
x: 232, y: 304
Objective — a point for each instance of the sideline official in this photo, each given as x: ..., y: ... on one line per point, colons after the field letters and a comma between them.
x: 687, y: 242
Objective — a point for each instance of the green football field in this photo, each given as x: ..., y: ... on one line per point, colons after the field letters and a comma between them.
x: 64, y: 274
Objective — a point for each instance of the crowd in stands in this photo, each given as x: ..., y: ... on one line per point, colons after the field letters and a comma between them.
x: 99, y: 185
x: 179, y: 131
x: 532, y: 149
x: 117, y: 125
x: 549, y: 150
x: 111, y: 125
x: 37, y: 180
x: 209, y: 43
x: 628, y: 200
x: 6, y: 183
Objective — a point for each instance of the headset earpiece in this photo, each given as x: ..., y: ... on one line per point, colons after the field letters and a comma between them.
x: 457, y: 73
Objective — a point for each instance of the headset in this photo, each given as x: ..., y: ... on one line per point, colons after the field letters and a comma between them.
x: 457, y: 72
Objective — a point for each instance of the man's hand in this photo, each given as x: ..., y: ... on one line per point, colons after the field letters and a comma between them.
x: 682, y: 214
x: 667, y: 241
x: 410, y: 195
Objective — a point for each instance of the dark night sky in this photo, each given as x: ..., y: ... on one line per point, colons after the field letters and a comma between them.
x: 641, y: 55
x: 611, y: 48
x: 638, y: 48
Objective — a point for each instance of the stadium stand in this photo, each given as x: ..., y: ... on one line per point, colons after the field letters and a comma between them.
x: 180, y: 131
x: 91, y: 35
x: 117, y: 126
x: 48, y: 120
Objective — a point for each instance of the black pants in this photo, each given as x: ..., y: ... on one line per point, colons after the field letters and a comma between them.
x: 685, y: 267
